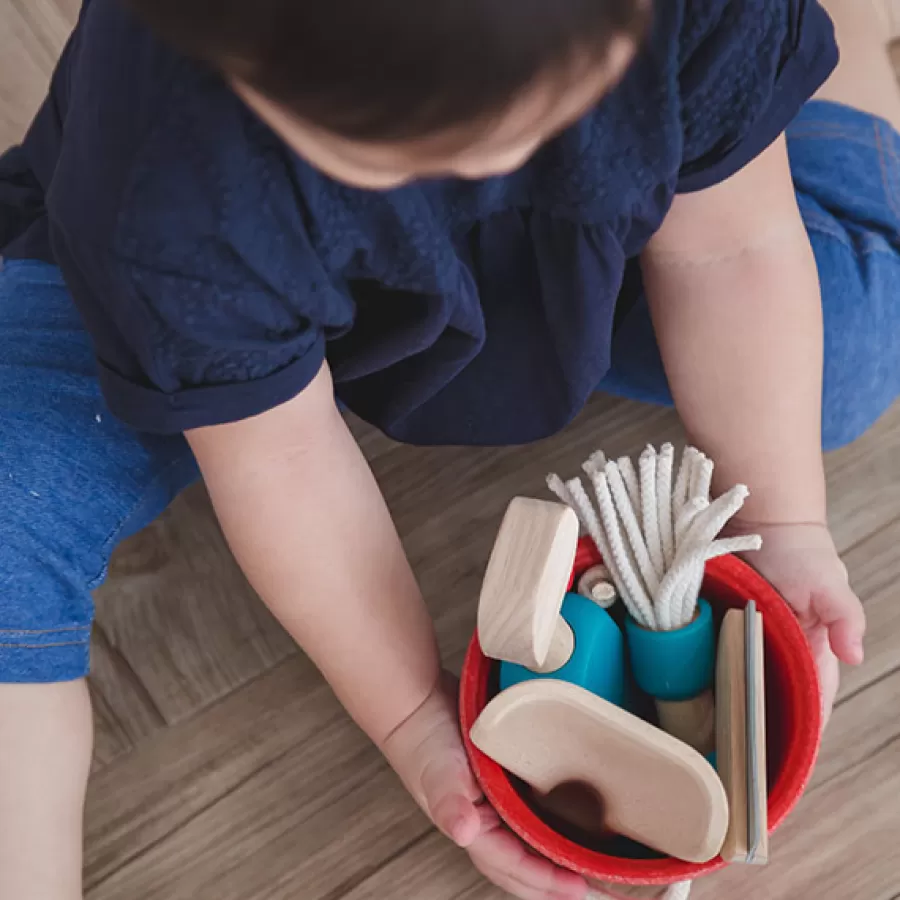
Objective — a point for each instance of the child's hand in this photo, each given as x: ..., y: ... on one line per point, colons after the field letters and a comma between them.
x: 427, y: 753
x: 801, y: 562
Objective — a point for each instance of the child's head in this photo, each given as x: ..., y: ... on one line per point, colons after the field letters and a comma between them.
x: 380, y: 92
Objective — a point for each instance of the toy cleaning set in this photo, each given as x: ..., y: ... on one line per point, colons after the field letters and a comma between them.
x: 648, y: 742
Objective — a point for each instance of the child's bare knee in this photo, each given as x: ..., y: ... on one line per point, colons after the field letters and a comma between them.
x: 45, y: 733
x: 47, y: 727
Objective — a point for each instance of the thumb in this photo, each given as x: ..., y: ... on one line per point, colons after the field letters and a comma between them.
x: 451, y: 793
x: 841, y: 612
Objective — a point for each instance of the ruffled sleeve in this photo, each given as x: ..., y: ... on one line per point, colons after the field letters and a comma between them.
x: 203, y: 348
x: 746, y: 69
x: 184, y: 240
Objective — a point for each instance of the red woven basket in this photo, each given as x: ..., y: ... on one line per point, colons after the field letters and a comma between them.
x: 793, y: 723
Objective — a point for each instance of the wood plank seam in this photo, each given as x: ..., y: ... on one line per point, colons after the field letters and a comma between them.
x: 127, y: 859
x: 815, y: 788
x: 212, y: 703
x: 365, y: 875
x: 853, y: 694
x: 99, y: 634
x: 884, y: 526
x: 24, y: 9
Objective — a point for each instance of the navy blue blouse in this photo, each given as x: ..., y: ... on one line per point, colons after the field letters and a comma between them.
x: 215, y: 270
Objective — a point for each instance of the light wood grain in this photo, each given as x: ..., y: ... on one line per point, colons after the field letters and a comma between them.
x: 692, y: 721
x: 179, y: 612
x: 875, y: 570
x: 124, y: 713
x: 524, y: 586
x: 840, y: 844
x: 654, y: 788
x: 184, y: 769
x: 864, y: 483
x: 595, y: 584
x: 32, y: 34
x: 311, y: 822
x: 734, y: 740
x: 859, y: 729
x: 431, y: 869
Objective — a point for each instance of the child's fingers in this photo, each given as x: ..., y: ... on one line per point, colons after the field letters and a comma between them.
x: 502, y: 858
x: 451, y: 792
x: 449, y: 769
x: 841, y: 612
x: 458, y: 818
x: 827, y: 666
x: 847, y: 643
x: 489, y: 819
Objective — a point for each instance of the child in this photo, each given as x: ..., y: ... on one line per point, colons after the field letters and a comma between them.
x: 456, y: 218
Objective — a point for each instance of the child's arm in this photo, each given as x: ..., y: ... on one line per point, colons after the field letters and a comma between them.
x: 307, y: 523
x: 305, y: 520
x: 734, y: 292
x: 733, y: 288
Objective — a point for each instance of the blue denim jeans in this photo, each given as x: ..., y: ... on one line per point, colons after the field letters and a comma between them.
x: 846, y: 168
x: 74, y: 481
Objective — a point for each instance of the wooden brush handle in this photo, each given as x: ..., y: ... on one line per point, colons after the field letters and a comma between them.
x: 692, y: 721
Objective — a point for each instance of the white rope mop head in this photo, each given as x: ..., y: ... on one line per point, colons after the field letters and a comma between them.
x: 656, y: 528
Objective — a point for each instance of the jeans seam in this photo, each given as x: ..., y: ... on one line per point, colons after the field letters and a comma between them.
x: 65, y: 628
x: 823, y: 129
x: 53, y: 646
x: 830, y: 134
x: 110, y: 543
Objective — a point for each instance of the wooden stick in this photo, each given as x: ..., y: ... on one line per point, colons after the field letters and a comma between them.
x: 596, y: 585
x: 738, y: 744
x: 692, y: 721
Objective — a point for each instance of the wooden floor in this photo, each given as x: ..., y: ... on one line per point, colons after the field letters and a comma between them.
x: 224, y: 768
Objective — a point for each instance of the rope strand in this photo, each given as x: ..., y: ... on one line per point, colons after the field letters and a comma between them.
x: 629, y: 520
x: 625, y: 564
x: 651, y: 511
x: 664, y: 500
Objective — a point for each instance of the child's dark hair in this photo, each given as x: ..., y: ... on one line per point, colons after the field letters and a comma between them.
x: 382, y: 70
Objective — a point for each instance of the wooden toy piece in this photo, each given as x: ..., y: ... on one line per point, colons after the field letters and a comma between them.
x: 598, y: 660
x: 527, y: 577
x: 655, y: 789
x: 692, y: 721
x: 596, y: 585
x: 677, y: 669
x: 575, y: 804
x: 741, y: 751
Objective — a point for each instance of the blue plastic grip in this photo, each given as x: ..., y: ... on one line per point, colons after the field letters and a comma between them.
x: 598, y: 662
x: 674, y: 665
